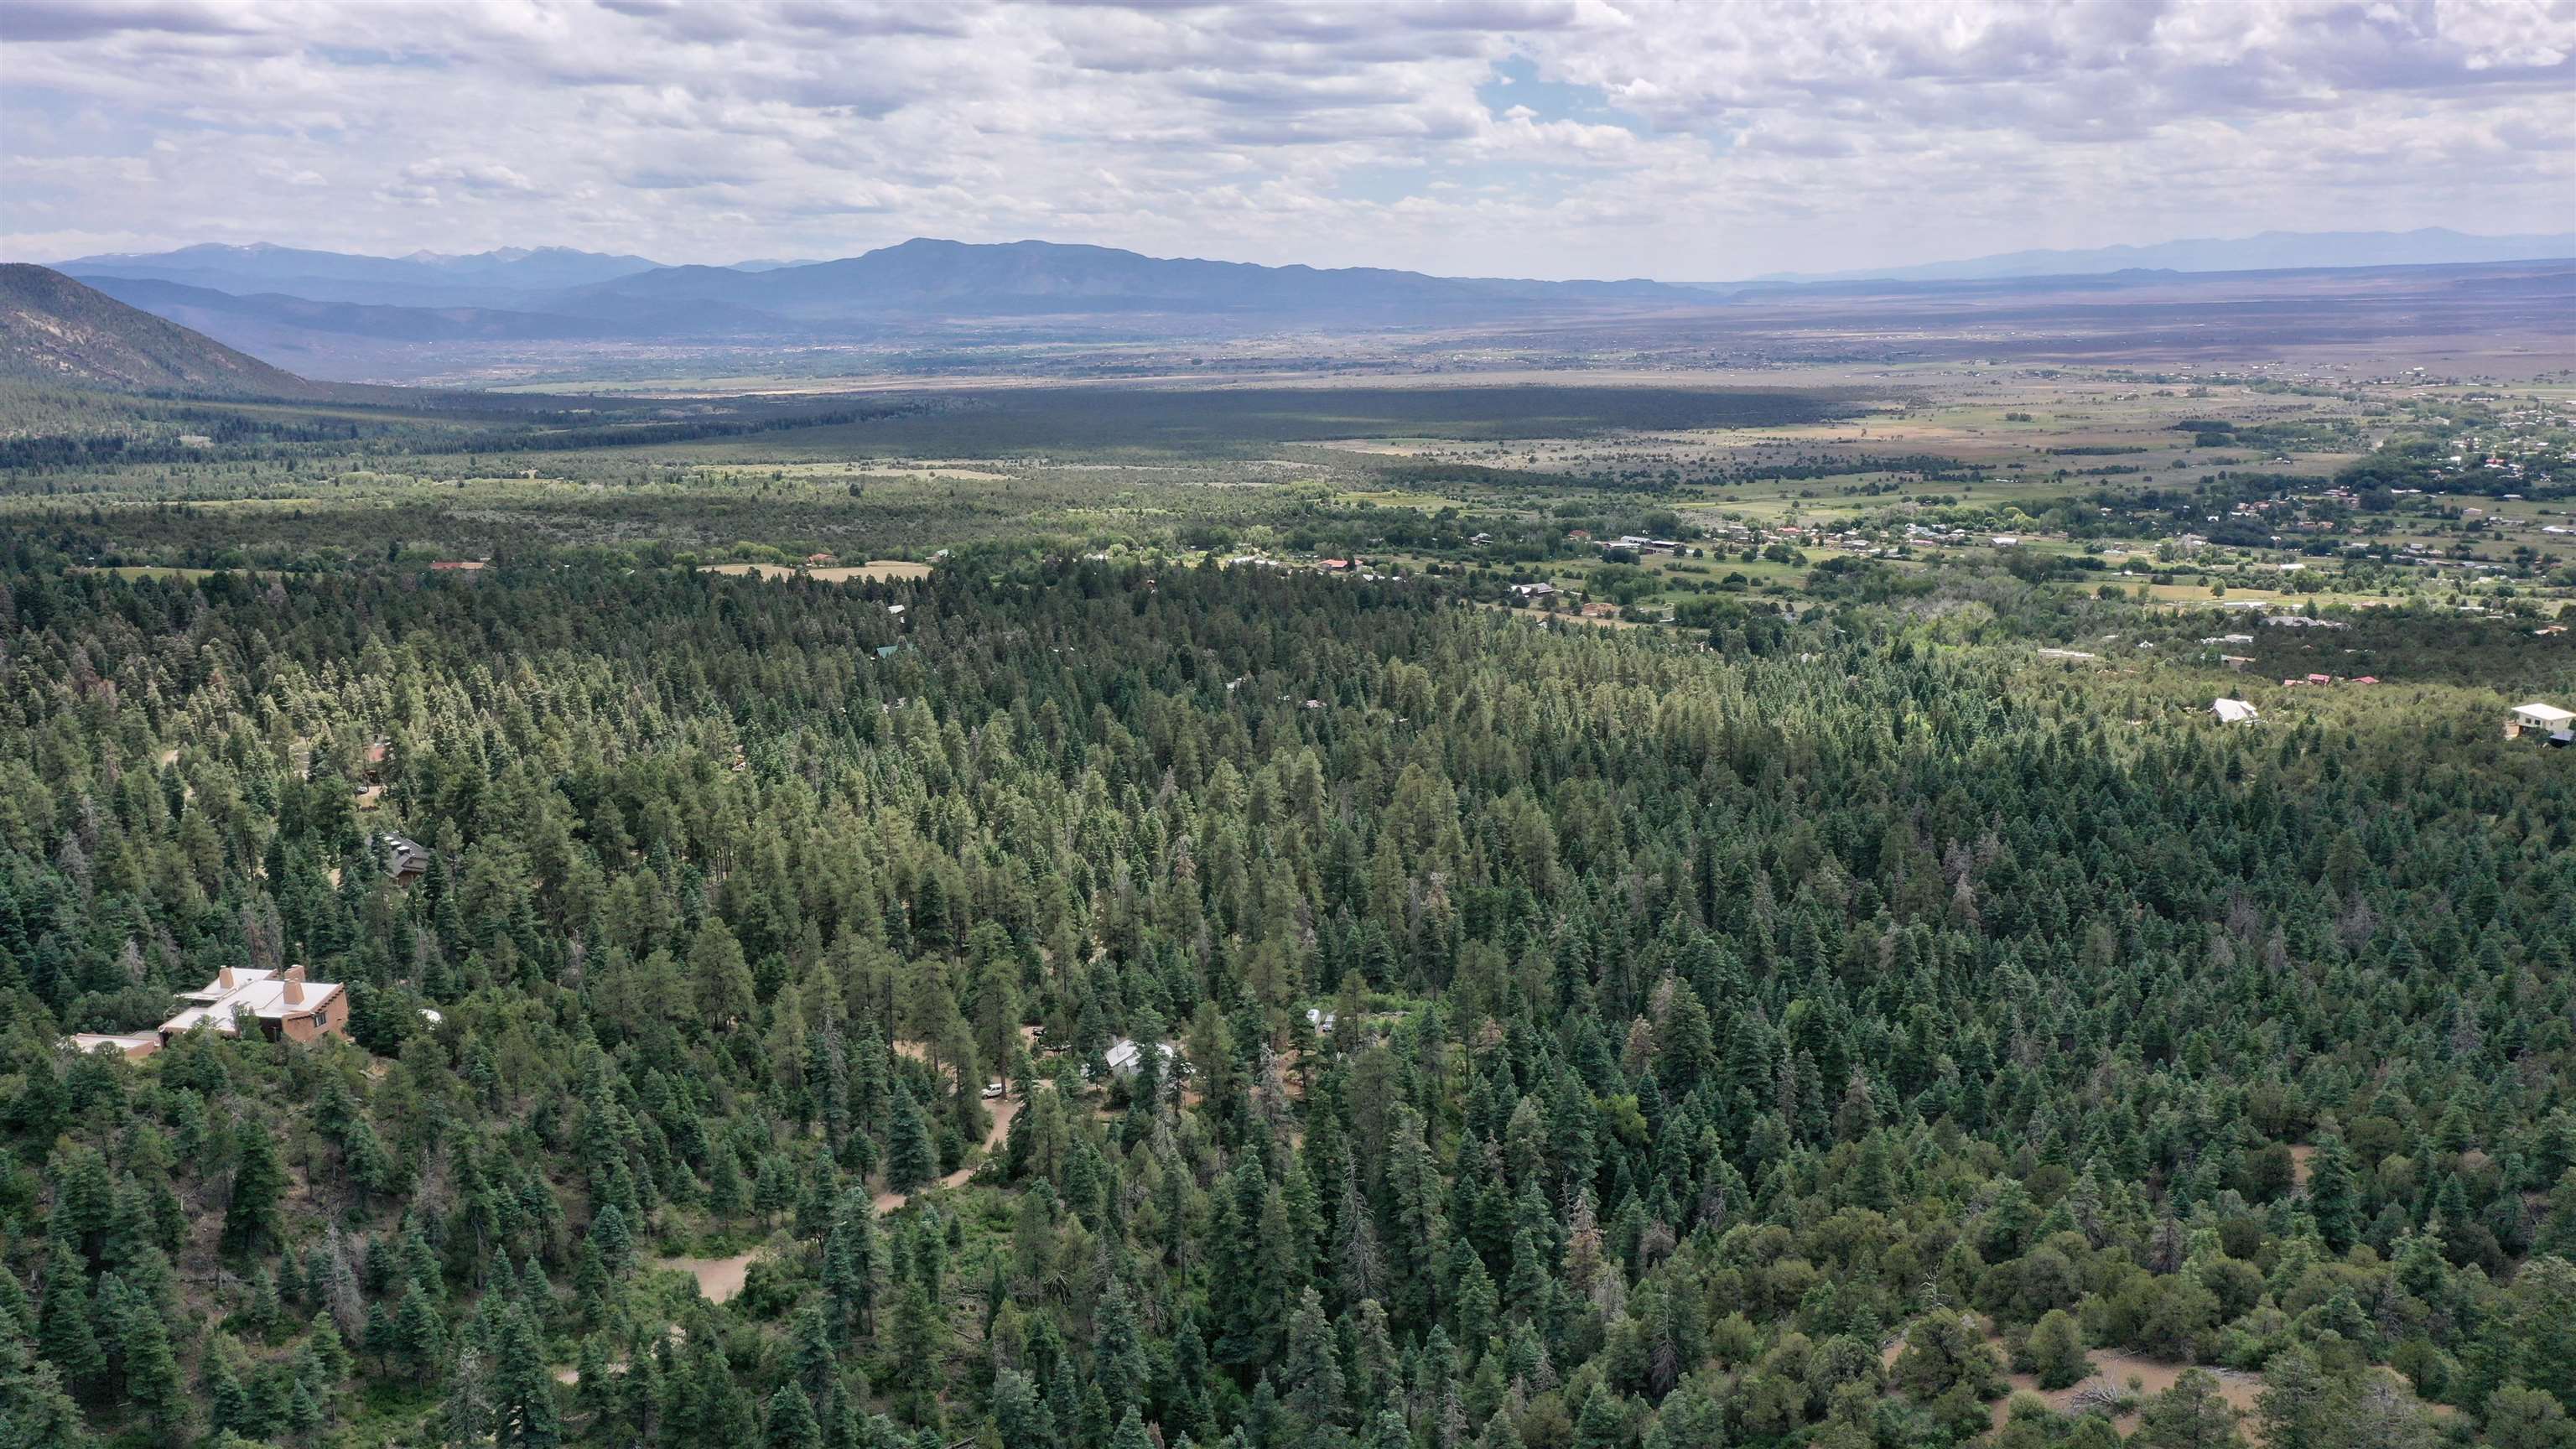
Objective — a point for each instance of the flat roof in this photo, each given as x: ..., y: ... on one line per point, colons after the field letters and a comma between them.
x: 261, y: 993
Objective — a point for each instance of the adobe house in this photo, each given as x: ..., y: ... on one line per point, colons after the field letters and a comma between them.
x: 286, y: 1006
x: 134, y: 1046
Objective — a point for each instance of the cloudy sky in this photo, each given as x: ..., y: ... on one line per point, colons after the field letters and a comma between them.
x: 1685, y: 139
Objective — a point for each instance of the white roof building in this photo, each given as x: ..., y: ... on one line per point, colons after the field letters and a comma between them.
x: 1125, y: 1056
x: 283, y: 1003
x: 132, y: 1044
x: 2232, y: 711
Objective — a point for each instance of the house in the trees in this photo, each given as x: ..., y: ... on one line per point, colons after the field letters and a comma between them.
x: 2232, y: 711
x: 286, y: 1006
x: 406, y: 859
x: 1126, y: 1057
x: 132, y: 1045
x: 2543, y: 720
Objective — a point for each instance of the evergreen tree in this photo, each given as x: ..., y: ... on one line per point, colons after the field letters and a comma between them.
x: 251, y: 1212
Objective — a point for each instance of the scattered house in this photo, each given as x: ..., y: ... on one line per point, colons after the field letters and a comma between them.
x: 430, y: 1014
x: 1332, y: 565
x: 2233, y: 711
x: 286, y: 1006
x: 2236, y: 661
x: 1320, y: 1019
x: 2367, y: 679
x: 2537, y: 718
x: 134, y: 1046
x: 1534, y: 591
x: 2070, y: 654
x: 2545, y: 630
x: 1125, y: 1057
x: 888, y: 651
x: 816, y: 559
x: 2320, y: 679
x: 406, y: 859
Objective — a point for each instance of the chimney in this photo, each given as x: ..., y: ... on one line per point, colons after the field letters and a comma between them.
x: 224, y: 979
x: 294, y: 979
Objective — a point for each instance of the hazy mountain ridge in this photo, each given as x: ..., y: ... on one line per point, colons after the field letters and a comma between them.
x: 2268, y: 251
x: 957, y: 278
x: 54, y: 329
x: 913, y: 278
x: 509, y: 279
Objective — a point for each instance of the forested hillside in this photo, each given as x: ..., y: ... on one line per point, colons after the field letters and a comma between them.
x: 1583, y: 1038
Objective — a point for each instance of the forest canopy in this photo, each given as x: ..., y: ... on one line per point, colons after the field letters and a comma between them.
x: 1577, y: 1036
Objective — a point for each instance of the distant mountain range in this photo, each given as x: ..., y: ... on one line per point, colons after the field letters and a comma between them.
x: 338, y: 315
x: 945, y: 278
x: 330, y: 314
x: 914, y: 278
x: 2271, y: 251
x: 508, y: 278
x: 53, y: 329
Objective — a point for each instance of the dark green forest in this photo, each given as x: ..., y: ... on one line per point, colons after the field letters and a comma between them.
x: 1581, y: 1038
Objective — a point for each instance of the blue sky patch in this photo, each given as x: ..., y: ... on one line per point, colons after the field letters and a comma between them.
x: 1517, y: 82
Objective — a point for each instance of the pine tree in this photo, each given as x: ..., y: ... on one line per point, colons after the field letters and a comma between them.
x: 912, y: 1159
x: 789, y: 1422
x: 2190, y: 1415
x: 2295, y: 1408
x: 1020, y: 1416
x: 2334, y: 1199
x: 1311, y: 1369
x: 919, y: 1338
x: 142, y: 1339
x: 419, y: 1338
x: 250, y: 1215
x: 63, y: 1333
x: 523, y: 1389
x: 35, y: 1412
x: 1118, y: 1352
x: 2057, y: 1351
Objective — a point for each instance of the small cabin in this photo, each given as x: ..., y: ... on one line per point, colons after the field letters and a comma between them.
x: 1126, y: 1057
x: 2233, y: 711
x: 405, y: 859
x: 2539, y: 719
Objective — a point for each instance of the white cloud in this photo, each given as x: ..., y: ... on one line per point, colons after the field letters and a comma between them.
x: 1751, y: 135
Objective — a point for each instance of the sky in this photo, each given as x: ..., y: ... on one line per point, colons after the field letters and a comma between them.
x: 1680, y: 139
